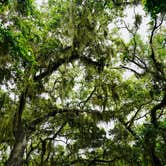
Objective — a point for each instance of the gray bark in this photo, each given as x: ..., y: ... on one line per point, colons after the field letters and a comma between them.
x: 16, y: 155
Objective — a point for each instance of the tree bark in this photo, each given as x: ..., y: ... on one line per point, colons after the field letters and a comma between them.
x: 16, y: 156
x: 17, y: 153
x: 154, y: 121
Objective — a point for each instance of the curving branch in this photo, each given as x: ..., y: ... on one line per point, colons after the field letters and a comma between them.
x: 132, y: 70
x: 74, y: 56
x: 151, y: 140
x: 54, y: 66
x: 155, y: 27
x: 53, y: 113
x: 157, y: 64
x: 153, y: 111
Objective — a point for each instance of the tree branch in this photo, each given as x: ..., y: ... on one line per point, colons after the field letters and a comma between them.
x: 53, y: 113
x: 158, y: 65
x: 136, y: 73
x: 154, y: 111
x: 130, y: 122
x: 155, y: 27
x: 53, y: 67
x: 88, y: 98
x: 95, y: 160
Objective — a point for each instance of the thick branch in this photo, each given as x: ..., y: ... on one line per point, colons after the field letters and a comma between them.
x: 134, y: 71
x: 52, y: 113
x: 53, y: 67
x: 74, y: 56
x: 154, y: 111
x: 151, y: 139
x: 158, y: 65
x: 109, y: 161
x: 95, y: 160
x: 155, y: 27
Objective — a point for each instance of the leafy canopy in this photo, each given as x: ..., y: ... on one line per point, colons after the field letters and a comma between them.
x: 74, y: 91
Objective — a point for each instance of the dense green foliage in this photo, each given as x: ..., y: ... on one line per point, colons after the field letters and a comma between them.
x: 155, y: 6
x: 74, y: 91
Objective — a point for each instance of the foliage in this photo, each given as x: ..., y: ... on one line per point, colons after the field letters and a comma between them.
x: 74, y: 91
x: 155, y: 6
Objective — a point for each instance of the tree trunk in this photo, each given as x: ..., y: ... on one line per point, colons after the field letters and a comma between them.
x: 152, y: 140
x: 16, y: 155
